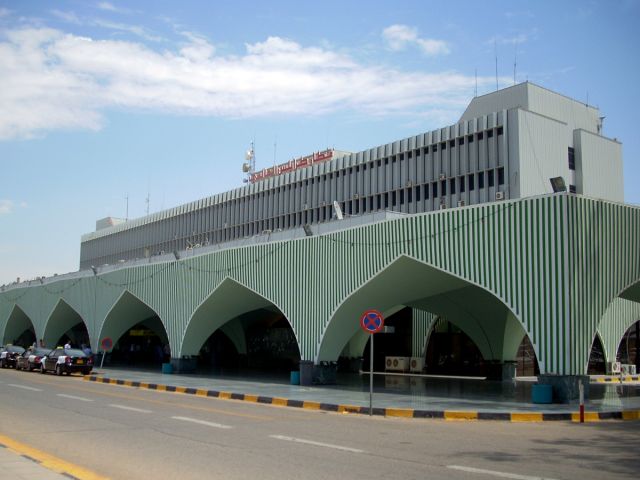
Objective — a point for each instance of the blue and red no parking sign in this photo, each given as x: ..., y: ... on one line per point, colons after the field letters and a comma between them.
x: 372, y: 321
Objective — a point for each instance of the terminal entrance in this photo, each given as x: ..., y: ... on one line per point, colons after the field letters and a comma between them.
x: 144, y: 345
x: 259, y: 341
x: 629, y: 350
x: 77, y: 336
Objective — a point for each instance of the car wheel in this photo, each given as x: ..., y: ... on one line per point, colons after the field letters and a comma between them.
x: 58, y: 370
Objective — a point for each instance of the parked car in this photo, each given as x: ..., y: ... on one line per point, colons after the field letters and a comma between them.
x: 66, y: 360
x: 9, y: 354
x: 30, y: 359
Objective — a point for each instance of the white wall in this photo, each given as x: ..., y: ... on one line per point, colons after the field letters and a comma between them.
x: 598, y: 166
x: 542, y: 152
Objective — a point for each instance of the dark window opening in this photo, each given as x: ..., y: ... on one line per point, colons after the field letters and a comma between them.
x: 393, y: 199
x: 401, y: 197
x: 572, y: 159
x: 461, y: 182
x: 443, y: 145
x: 425, y: 150
x: 572, y: 189
x: 501, y: 176
x: 471, y: 182
x: 379, y: 163
x: 386, y: 161
x: 378, y: 202
x: 481, y: 180
x: 452, y: 185
x: 470, y: 138
x: 435, y: 148
x: 490, y: 178
x: 426, y: 192
x: 410, y: 195
x: 410, y: 154
x: 461, y: 141
x: 490, y: 134
x: 500, y: 130
x: 452, y: 143
x: 443, y: 187
x: 480, y: 136
x: 434, y: 189
x: 418, y: 190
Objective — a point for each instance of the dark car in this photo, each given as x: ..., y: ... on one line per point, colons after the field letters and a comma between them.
x: 9, y: 354
x: 66, y: 360
x: 30, y: 360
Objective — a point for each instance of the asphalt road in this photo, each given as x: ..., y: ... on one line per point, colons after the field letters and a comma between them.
x: 125, y: 433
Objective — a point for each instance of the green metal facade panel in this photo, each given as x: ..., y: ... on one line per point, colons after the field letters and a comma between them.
x: 556, y: 262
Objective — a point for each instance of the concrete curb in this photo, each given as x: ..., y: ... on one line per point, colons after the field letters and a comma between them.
x: 623, y: 379
x: 450, y: 415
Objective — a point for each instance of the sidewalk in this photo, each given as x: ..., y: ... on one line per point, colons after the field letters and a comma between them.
x: 16, y: 466
x: 394, y: 395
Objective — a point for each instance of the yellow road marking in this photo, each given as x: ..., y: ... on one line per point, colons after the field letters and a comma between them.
x: 311, y: 405
x: 158, y: 402
x: 282, y: 402
x: 631, y: 415
x: 49, y: 461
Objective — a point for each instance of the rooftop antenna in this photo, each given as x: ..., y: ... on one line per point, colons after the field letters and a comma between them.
x: 495, y: 49
x: 127, y: 199
x: 475, y: 94
x: 148, y: 201
x: 249, y: 166
x: 515, y: 61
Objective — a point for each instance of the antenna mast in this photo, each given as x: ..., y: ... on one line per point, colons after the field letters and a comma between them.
x: 476, y: 90
x: 249, y: 166
x: 495, y: 49
x: 515, y: 59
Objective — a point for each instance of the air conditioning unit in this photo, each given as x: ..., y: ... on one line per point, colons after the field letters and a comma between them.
x: 613, y: 367
x: 442, y: 176
x: 442, y: 206
x: 417, y: 364
x: 397, y: 364
x: 499, y: 195
x: 461, y: 203
x: 627, y: 369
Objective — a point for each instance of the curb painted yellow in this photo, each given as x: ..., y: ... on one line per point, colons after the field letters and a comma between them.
x: 526, y: 417
x: 49, y: 461
x: 631, y: 415
x: 588, y: 417
x: 451, y: 415
x: 399, y: 412
x: 345, y: 409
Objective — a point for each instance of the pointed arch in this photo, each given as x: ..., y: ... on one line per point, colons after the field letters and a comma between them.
x: 411, y: 282
x: 127, y: 312
x: 229, y: 300
x: 17, y: 323
x: 62, y: 318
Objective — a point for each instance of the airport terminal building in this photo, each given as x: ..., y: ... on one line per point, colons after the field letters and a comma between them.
x: 509, y: 224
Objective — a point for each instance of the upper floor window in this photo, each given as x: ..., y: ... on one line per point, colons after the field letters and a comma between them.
x: 572, y: 159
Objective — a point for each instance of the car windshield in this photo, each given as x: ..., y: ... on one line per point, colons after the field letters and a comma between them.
x: 15, y: 349
x: 40, y: 351
x: 74, y: 352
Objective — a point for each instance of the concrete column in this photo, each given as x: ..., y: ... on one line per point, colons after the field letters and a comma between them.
x: 185, y: 364
x: 502, y: 371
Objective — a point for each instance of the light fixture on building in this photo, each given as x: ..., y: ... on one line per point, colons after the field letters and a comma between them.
x: 307, y: 230
x: 558, y: 185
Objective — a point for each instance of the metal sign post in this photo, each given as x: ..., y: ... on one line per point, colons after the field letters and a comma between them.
x: 106, y: 344
x: 371, y: 322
